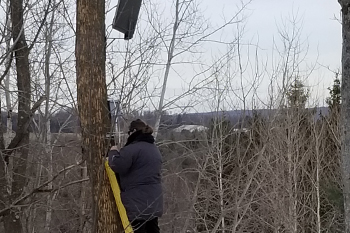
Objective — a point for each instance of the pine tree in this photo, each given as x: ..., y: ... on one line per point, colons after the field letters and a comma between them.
x: 297, y: 95
x: 334, y: 100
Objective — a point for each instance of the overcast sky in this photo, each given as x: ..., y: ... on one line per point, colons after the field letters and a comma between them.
x: 317, y: 16
x: 320, y: 34
x: 318, y: 21
x: 320, y: 29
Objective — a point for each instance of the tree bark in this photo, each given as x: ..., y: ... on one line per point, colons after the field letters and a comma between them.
x: 345, y: 110
x: 12, y: 221
x: 93, y: 111
x: 9, y: 133
x: 3, y: 167
x: 46, y: 133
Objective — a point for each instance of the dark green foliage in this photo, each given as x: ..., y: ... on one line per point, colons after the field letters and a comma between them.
x: 334, y: 100
x: 334, y: 195
x: 297, y: 95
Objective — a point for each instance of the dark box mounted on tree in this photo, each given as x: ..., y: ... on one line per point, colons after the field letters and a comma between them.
x: 125, y: 18
x: 114, y: 111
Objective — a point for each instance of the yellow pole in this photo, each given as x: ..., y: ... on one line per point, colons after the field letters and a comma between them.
x: 116, y: 193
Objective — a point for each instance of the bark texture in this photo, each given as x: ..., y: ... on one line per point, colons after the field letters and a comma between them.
x: 93, y: 112
x: 345, y: 110
x: 12, y: 220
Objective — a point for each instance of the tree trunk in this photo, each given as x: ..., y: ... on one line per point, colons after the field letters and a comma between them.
x: 345, y: 111
x: 9, y: 133
x: 93, y: 111
x: 8, y: 60
x: 3, y: 167
x: 170, y: 56
x: 83, y: 198
x: 12, y: 221
x: 46, y: 124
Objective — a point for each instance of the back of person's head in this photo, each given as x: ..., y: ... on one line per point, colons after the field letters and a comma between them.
x: 139, y: 125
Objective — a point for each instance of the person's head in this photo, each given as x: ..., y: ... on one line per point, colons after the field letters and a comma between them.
x: 139, y: 125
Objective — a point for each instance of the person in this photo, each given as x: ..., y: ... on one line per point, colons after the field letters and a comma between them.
x: 138, y: 165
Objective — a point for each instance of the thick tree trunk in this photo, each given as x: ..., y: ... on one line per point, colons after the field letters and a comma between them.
x: 93, y: 113
x: 12, y: 221
x: 345, y: 110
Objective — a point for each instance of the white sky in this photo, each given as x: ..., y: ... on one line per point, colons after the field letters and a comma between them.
x: 319, y: 27
x: 318, y: 22
x: 320, y: 30
x: 321, y: 33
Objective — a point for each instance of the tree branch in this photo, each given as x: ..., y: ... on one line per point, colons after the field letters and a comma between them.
x: 40, y: 188
x: 20, y: 132
x: 7, y: 67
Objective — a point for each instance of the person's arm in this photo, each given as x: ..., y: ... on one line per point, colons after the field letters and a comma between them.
x: 120, y: 161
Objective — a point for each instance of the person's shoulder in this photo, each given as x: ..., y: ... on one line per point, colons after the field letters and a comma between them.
x: 137, y: 145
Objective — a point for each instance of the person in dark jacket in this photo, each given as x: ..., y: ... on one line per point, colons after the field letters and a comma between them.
x: 138, y: 165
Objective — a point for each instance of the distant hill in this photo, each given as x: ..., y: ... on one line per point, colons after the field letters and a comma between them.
x: 234, y: 116
x: 68, y: 121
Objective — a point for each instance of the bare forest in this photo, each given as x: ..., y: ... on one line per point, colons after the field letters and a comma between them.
x: 266, y: 157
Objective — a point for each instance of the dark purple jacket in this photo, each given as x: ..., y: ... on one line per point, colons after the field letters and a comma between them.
x: 139, y: 168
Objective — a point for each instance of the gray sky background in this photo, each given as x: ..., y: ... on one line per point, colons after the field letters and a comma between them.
x: 319, y: 27
x: 321, y: 32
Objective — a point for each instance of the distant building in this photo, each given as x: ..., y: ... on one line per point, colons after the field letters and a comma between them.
x: 190, y: 128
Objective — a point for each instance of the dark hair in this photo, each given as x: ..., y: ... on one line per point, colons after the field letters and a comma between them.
x: 140, y: 125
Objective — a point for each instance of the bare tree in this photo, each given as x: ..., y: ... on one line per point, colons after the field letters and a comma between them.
x: 187, y: 31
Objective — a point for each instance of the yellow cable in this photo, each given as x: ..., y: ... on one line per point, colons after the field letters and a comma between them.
x: 116, y: 192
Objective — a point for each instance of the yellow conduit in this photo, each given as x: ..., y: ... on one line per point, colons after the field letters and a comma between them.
x: 116, y: 192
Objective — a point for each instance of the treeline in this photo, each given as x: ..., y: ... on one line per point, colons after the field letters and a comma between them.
x: 66, y: 120
x: 283, y: 175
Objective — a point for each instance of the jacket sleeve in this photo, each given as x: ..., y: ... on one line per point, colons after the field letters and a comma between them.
x: 120, y: 161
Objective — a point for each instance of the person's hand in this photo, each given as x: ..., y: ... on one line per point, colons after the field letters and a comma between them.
x: 114, y: 148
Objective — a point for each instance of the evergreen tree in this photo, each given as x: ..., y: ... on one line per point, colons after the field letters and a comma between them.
x: 297, y: 95
x: 334, y: 100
